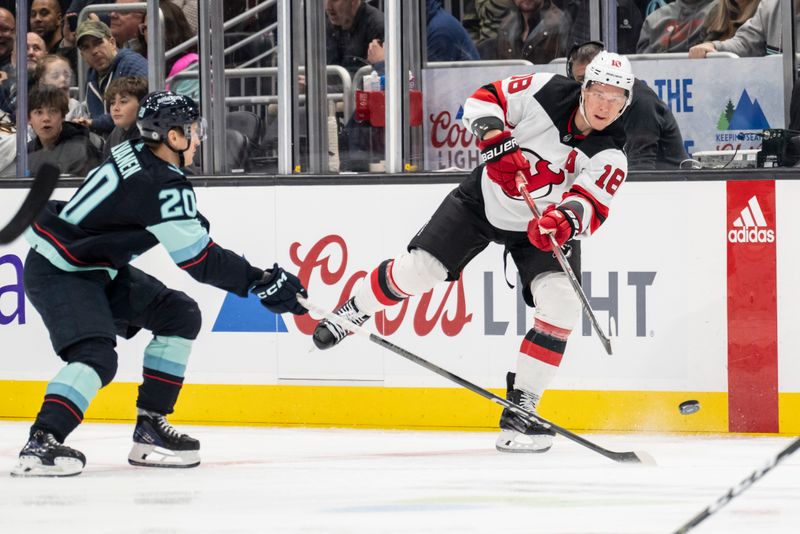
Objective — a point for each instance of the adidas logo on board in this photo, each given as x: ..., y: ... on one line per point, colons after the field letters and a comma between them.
x: 751, y: 226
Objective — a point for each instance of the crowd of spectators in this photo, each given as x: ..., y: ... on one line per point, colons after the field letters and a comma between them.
x: 113, y: 47
x: 76, y: 135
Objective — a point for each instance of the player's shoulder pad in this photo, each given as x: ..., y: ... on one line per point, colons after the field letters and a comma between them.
x: 558, y: 96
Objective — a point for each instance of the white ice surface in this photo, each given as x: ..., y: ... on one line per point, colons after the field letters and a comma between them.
x: 342, y: 481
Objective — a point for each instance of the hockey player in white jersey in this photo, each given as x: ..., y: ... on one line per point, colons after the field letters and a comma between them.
x: 564, y: 138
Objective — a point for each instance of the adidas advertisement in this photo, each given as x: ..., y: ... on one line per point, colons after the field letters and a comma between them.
x: 751, y: 226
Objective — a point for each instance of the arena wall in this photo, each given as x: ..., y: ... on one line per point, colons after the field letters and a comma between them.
x: 695, y: 313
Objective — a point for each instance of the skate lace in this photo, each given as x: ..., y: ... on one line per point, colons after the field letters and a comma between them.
x: 51, y: 440
x: 528, y: 401
x: 347, y: 311
x: 165, y: 427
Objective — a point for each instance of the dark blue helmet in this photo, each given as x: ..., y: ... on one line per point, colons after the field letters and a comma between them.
x: 162, y: 111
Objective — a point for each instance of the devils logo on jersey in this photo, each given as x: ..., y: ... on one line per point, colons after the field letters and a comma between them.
x: 543, y: 176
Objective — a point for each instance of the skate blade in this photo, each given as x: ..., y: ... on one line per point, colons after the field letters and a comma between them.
x: 512, y: 441
x: 31, y: 466
x: 144, y: 455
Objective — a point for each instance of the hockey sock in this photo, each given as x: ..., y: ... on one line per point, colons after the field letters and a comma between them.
x: 165, y: 359
x: 378, y: 292
x: 412, y: 273
x: 539, y: 357
x: 66, y: 399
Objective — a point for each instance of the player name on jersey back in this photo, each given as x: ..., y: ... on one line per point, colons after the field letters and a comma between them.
x: 125, y: 159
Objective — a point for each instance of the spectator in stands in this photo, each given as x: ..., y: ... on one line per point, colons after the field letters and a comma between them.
x: 351, y: 26
x: 8, y: 27
x: 123, y: 97
x: 536, y: 30
x: 482, y: 18
x: 176, y: 31
x: 125, y: 26
x: 189, y: 10
x: 726, y: 17
x: 99, y: 50
x: 54, y: 70
x: 46, y: 20
x: 37, y: 49
x: 629, y: 24
x: 69, y: 146
x: 447, y: 40
x: 674, y: 27
x: 8, y: 148
x: 654, y: 140
x: 758, y: 36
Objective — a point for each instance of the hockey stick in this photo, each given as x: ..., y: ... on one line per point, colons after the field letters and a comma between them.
x: 42, y: 187
x: 623, y: 457
x: 739, y: 488
x: 562, y: 260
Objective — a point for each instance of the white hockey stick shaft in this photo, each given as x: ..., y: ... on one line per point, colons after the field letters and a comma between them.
x: 565, y: 266
x: 622, y: 457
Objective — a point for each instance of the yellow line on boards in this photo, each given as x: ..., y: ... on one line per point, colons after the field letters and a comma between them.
x: 393, y: 407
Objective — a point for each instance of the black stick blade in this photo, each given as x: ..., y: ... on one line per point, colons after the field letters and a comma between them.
x: 42, y: 187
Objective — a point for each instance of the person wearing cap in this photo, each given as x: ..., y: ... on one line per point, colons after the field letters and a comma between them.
x: 99, y: 50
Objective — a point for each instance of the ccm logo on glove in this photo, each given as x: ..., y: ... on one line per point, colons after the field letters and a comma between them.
x: 278, y: 291
x: 275, y: 287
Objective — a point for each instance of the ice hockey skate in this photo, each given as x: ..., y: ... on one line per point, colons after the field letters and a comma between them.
x: 44, y: 456
x: 518, y: 434
x: 328, y: 334
x: 156, y: 443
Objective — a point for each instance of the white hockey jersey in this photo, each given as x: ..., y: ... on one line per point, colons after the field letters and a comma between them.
x: 566, y: 166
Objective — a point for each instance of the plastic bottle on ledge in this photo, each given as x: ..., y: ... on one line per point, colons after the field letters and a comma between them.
x: 372, y: 82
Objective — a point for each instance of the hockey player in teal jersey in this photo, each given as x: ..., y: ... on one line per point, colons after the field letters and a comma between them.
x: 78, y: 277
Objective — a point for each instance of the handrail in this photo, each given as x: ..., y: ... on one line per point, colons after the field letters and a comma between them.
x: 347, y: 94
x: 664, y: 55
x: 250, y: 38
x: 478, y: 63
x: 228, y: 24
x: 361, y: 72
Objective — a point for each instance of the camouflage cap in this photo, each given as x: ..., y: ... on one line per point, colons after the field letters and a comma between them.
x: 92, y: 28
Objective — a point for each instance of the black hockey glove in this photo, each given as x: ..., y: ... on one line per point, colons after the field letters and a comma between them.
x: 278, y: 290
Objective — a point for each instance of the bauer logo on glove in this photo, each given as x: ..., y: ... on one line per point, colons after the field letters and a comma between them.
x: 496, y: 151
x: 504, y: 160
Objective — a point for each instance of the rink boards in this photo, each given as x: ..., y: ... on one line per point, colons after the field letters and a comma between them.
x: 702, y: 295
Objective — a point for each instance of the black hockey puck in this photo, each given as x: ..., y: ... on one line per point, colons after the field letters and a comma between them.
x: 689, y: 407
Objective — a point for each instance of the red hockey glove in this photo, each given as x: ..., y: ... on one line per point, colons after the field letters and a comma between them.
x: 562, y: 223
x: 503, y: 160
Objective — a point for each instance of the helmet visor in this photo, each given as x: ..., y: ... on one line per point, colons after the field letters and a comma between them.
x: 199, y: 129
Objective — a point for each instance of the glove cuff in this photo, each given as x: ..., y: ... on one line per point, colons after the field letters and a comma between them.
x: 573, y: 220
x: 497, y: 147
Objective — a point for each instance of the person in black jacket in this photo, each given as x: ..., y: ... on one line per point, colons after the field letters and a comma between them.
x: 654, y: 140
x: 122, y: 97
x: 351, y: 27
x: 70, y: 147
